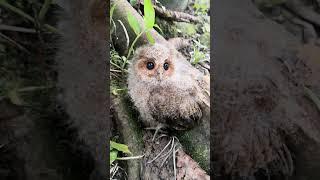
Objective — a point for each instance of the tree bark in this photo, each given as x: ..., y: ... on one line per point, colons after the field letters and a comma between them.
x: 120, y: 14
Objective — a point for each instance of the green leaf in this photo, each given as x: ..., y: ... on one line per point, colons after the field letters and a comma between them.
x: 120, y: 147
x: 133, y: 2
x: 134, y: 24
x: 14, y: 97
x: 111, y: 10
x: 157, y: 26
x: 113, y: 156
x: 149, y: 15
x: 150, y: 38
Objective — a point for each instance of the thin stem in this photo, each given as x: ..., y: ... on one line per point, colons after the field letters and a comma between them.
x: 133, y: 43
x: 17, y: 29
x: 14, y: 43
x: 16, y: 10
x: 160, y: 152
x: 5, y: 4
x: 44, y: 9
x: 34, y: 88
x: 131, y: 157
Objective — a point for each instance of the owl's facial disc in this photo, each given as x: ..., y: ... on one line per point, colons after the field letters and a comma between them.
x: 155, y: 70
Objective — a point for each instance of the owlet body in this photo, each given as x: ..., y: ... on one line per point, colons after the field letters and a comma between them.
x: 165, y: 88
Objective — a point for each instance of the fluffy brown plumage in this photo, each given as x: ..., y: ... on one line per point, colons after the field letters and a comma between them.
x: 166, y: 88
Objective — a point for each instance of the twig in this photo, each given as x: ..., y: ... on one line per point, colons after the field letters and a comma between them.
x: 14, y: 43
x: 34, y: 88
x: 126, y: 33
x: 44, y: 9
x: 21, y: 13
x: 113, y: 170
x: 130, y: 158
x: 172, y: 144
x: 174, y: 162
x: 160, y: 152
x: 114, y: 70
x: 17, y: 29
x: 175, y: 15
x: 133, y: 43
x: 167, y: 155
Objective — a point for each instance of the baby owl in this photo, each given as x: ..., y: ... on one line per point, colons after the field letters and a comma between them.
x: 166, y: 89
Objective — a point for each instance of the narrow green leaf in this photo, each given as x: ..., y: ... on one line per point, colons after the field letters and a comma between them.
x: 134, y: 24
x: 149, y: 15
x: 150, y: 38
x: 120, y: 147
x: 44, y: 9
x: 14, y: 97
x: 111, y: 10
x: 113, y: 156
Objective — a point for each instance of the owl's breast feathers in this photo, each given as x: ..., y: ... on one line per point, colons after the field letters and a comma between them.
x: 180, y: 109
x: 204, y: 90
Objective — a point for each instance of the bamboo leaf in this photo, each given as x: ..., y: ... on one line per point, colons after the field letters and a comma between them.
x: 134, y: 24
x: 150, y: 38
x: 111, y: 10
x: 149, y: 14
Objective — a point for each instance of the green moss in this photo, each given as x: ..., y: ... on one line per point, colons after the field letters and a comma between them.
x: 200, y: 152
x: 168, y: 28
x: 186, y: 28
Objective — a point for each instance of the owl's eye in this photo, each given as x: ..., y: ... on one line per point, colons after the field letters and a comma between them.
x: 150, y: 65
x: 166, y: 66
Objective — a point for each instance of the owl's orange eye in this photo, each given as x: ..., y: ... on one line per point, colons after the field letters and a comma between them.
x: 166, y: 66
x: 150, y: 65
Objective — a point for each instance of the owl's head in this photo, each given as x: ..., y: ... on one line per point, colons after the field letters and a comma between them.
x: 154, y: 63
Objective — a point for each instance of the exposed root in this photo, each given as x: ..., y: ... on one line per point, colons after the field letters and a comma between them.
x: 160, y: 152
x: 304, y: 12
x: 175, y: 15
x: 309, y: 33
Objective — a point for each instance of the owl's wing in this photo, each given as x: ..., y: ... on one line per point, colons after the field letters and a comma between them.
x: 204, y: 89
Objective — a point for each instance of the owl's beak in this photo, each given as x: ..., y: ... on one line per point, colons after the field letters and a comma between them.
x: 159, y: 76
